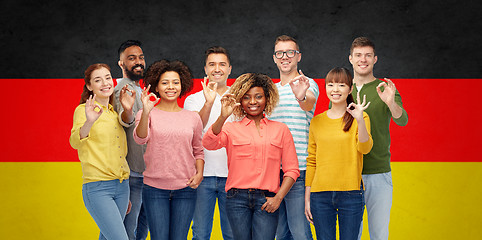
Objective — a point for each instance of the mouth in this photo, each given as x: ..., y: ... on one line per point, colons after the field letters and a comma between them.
x: 105, y: 89
x: 336, y: 96
x: 171, y: 93
x: 137, y: 68
x: 217, y: 75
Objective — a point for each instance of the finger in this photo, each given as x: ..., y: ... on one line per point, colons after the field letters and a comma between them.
x: 301, y: 73
x: 358, y: 97
x: 368, y: 104
x: 203, y: 82
x: 364, y: 100
x: 382, y: 84
x: 265, y: 205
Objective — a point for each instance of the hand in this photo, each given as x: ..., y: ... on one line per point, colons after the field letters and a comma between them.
x: 308, y: 215
x: 127, y: 100
x: 299, y: 85
x: 209, y: 90
x: 195, y: 180
x: 91, y: 114
x: 271, y: 204
x: 129, y: 207
x: 388, y: 94
x: 356, y: 110
x: 147, y: 104
x: 228, y: 103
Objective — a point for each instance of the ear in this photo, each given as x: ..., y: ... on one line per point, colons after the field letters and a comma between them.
x: 299, y: 57
x: 88, y: 87
x: 206, y: 70
x: 351, y: 89
x: 350, y: 58
x: 229, y: 69
x: 120, y: 64
x: 274, y: 59
x: 376, y: 59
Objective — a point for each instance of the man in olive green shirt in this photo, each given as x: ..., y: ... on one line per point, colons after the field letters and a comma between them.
x: 385, y: 104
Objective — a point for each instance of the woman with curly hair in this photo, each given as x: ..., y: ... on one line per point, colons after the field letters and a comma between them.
x: 174, y: 154
x: 256, y: 148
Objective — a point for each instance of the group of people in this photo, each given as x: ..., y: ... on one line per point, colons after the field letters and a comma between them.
x: 254, y: 147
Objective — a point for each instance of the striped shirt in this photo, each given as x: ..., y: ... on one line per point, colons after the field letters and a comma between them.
x: 298, y: 121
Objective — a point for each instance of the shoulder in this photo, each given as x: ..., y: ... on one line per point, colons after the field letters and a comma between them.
x: 196, y: 95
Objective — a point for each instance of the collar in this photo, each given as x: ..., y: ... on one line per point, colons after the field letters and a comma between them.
x: 109, y: 107
x: 246, y: 121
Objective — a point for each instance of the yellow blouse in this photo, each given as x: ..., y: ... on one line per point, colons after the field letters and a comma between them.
x: 102, y: 153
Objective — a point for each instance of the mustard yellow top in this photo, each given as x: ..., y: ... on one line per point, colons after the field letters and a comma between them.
x: 335, y: 157
x: 102, y: 153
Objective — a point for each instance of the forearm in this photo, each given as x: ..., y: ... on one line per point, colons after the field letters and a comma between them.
x: 218, y: 125
x: 199, y: 166
x: 309, y: 103
x: 285, y: 187
x: 141, y: 130
x: 127, y: 116
x: 85, y: 129
x: 363, y: 135
x: 396, y: 110
x: 205, y: 112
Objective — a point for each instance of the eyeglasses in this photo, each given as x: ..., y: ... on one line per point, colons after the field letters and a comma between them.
x: 289, y: 53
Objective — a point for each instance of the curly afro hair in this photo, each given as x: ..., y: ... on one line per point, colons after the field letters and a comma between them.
x: 249, y: 80
x: 155, y: 70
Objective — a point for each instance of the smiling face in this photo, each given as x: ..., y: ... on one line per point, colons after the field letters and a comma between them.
x: 363, y: 60
x: 337, y: 92
x: 253, y: 102
x: 286, y: 64
x: 169, y: 86
x: 217, y: 68
x: 132, y: 62
x: 101, y: 84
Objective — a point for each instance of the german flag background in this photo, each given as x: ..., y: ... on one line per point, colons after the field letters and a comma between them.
x: 430, y: 49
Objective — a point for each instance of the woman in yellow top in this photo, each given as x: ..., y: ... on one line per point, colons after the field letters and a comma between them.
x: 336, y: 146
x: 101, y: 144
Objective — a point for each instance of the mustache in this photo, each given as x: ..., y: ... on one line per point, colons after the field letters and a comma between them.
x: 137, y: 65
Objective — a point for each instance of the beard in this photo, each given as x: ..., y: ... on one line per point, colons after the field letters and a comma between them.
x: 133, y: 75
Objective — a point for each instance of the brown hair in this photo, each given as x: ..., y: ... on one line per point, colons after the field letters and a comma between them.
x: 286, y: 38
x: 86, y: 93
x: 154, y: 72
x: 362, y: 42
x: 216, y: 50
x: 342, y: 75
x: 249, y: 80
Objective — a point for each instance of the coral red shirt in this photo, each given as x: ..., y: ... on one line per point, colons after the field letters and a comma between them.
x: 254, y: 158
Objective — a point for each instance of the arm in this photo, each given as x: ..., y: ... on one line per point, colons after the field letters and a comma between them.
x: 308, y: 215
x: 91, y: 116
x: 195, y: 180
x: 388, y: 96
x: 148, y: 105
x: 357, y: 113
x: 198, y: 152
x: 127, y: 97
x: 272, y: 203
x: 300, y: 86
x: 228, y: 103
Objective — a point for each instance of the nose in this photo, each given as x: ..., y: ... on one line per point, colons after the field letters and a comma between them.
x: 171, y: 85
x: 252, y: 100
x: 217, y: 67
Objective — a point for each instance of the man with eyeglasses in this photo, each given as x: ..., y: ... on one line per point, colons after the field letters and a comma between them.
x: 297, y: 101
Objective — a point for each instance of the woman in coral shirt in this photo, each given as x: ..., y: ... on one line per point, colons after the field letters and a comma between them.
x: 256, y: 148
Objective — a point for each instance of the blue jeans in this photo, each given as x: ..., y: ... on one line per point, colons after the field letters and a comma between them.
x: 248, y: 221
x: 130, y: 222
x: 142, y: 226
x: 169, y: 212
x: 378, y: 198
x: 207, y: 192
x: 348, y: 205
x: 107, y: 203
x: 292, y: 222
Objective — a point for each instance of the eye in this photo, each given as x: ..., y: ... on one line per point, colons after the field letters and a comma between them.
x: 141, y: 57
x: 259, y: 96
x: 329, y: 84
x: 177, y: 82
x: 245, y: 98
x: 130, y: 58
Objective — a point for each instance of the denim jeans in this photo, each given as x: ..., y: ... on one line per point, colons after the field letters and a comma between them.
x: 142, y: 225
x: 207, y: 192
x: 378, y: 198
x: 292, y: 222
x: 248, y: 221
x: 348, y: 205
x: 169, y: 212
x: 130, y: 222
x: 107, y: 203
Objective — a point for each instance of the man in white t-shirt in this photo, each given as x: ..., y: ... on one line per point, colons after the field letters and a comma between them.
x: 208, y: 104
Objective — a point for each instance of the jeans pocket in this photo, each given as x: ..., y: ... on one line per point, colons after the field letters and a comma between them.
x: 92, y: 185
x: 231, y: 193
x: 388, y: 178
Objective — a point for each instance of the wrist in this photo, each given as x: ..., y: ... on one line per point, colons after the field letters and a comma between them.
x: 301, y: 100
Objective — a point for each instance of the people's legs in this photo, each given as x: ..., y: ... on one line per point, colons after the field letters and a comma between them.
x: 264, y: 223
x: 350, y: 205
x: 107, y: 203
x: 324, y: 214
x: 130, y: 221
x: 378, y: 199
x: 283, y: 230
x: 295, y: 210
x: 142, y: 225
x: 221, y: 193
x: 202, y: 222
x: 240, y: 214
x: 183, y: 202
x: 157, y: 206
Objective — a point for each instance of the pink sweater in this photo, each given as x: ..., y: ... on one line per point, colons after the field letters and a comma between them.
x: 173, y: 145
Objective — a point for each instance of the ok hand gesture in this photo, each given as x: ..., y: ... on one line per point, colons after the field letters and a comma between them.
x: 228, y: 104
x: 92, y: 110
x: 127, y: 100
x: 147, y: 103
x: 388, y: 94
x: 356, y: 110
x: 299, y: 85
x: 209, y: 90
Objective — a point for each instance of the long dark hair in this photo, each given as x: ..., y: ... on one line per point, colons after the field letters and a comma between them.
x: 86, y: 93
x: 342, y: 75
